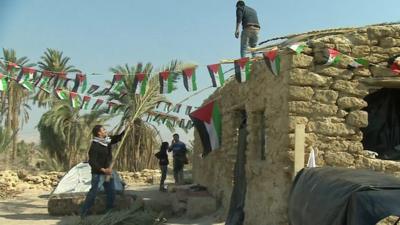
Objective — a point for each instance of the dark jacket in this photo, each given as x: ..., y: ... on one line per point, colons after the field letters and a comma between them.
x: 100, y: 156
x: 247, y: 16
x: 162, y: 157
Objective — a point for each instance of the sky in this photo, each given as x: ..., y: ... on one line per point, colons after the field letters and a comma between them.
x: 100, y: 34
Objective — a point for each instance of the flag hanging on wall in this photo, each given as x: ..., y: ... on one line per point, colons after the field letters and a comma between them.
x: 333, y: 56
x: 140, y: 83
x: 3, y: 82
x: 80, y: 83
x: 117, y: 84
x: 273, y: 61
x: 97, y: 104
x: 242, y: 69
x: 85, y: 102
x: 358, y: 62
x: 297, y: 47
x: 216, y: 74
x: 166, y: 82
x: 207, y: 120
x: 189, y: 79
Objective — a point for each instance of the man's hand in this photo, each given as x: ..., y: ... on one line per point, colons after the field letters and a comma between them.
x: 106, y: 171
x: 237, y: 34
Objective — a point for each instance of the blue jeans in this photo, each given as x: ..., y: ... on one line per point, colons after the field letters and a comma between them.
x: 91, y: 195
x: 248, y: 37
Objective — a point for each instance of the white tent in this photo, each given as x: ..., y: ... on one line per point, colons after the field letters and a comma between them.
x: 78, y: 179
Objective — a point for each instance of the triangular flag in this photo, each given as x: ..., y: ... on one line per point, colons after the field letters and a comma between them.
x: 273, y: 61
x: 358, y: 62
x: 75, y: 100
x: 85, y: 102
x: 80, y: 83
x: 242, y: 69
x: 333, y: 57
x: 166, y: 82
x: 92, y: 89
x: 61, y: 94
x: 140, y: 83
x: 216, y: 74
x: 297, y: 47
x: 117, y: 84
x: 207, y: 120
x: 189, y: 79
x: 97, y: 104
x: 311, y: 159
x: 3, y: 83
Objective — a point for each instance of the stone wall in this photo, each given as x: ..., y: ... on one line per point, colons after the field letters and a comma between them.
x: 327, y: 99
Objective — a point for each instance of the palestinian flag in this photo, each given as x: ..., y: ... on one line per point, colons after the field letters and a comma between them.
x: 26, y: 83
x: 60, y: 80
x: 97, y: 104
x: 333, y: 56
x: 166, y: 82
x: 167, y: 106
x: 216, y: 74
x: 61, y: 94
x: 297, y: 47
x: 103, y: 92
x: 140, y: 83
x: 394, y: 64
x: 177, y: 108
x: 75, y: 100
x: 207, y: 120
x: 189, y: 124
x: 92, y: 89
x: 358, y: 62
x: 27, y: 73
x: 85, y: 102
x: 189, y: 79
x: 188, y: 110
x: 112, y: 107
x: 242, y: 69
x: 12, y: 66
x: 80, y: 83
x: 117, y: 84
x: 3, y: 82
x: 44, y: 79
x: 273, y: 61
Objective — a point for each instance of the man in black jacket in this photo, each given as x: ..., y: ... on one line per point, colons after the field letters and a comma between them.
x: 100, y: 157
x: 250, y: 27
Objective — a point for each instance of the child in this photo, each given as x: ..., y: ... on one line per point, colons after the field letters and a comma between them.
x: 163, y: 161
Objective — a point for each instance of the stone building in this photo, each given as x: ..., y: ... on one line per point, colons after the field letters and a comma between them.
x: 327, y: 100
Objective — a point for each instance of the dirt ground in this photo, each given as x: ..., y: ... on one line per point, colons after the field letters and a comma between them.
x: 30, y: 208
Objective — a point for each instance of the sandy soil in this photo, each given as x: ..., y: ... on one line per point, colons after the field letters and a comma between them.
x: 30, y: 208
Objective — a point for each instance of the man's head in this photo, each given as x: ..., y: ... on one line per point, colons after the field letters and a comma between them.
x: 175, y: 137
x: 99, y: 131
x: 240, y: 3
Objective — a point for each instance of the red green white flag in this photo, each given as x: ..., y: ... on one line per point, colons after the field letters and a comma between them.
x: 26, y: 78
x: 333, y: 56
x: 297, y: 47
x: 273, y: 61
x: 117, y: 84
x: 395, y: 65
x: 80, y: 83
x: 97, y: 104
x: 207, y: 120
x: 3, y: 82
x: 358, y: 62
x: 75, y: 100
x: 85, y: 102
x: 189, y: 79
x: 242, y: 69
x: 166, y: 82
x: 61, y: 93
x: 140, y: 83
x: 216, y: 74
x: 11, y: 66
x: 92, y: 89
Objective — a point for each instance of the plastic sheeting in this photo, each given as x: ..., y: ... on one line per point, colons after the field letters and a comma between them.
x: 382, y: 135
x: 341, y: 196
x: 78, y: 179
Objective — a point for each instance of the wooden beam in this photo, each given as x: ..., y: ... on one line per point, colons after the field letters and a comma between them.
x: 299, y: 138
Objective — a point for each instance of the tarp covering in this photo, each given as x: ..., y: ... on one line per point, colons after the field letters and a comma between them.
x: 78, y: 179
x: 382, y: 135
x: 341, y: 196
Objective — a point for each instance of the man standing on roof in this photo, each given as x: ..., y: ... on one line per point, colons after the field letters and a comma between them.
x: 250, y: 27
x: 100, y: 157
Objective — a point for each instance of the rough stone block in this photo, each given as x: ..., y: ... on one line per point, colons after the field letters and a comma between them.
x: 356, y: 147
x: 330, y: 71
x: 301, y: 61
x: 300, y: 107
x: 363, y: 72
x: 341, y: 159
x: 330, y: 129
x: 361, y: 51
x: 293, y: 120
x: 389, y: 42
x: 326, y: 96
x: 377, y: 32
x: 353, y: 88
x: 351, y: 103
x: 302, y: 78
x: 300, y: 93
x: 200, y: 206
x: 357, y: 118
x: 320, y: 109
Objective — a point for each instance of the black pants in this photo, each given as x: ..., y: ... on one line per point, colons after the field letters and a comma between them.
x: 178, y: 170
x: 164, y: 169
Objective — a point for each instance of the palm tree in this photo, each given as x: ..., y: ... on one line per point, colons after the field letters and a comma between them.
x: 140, y: 138
x: 16, y: 97
x: 52, y: 60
